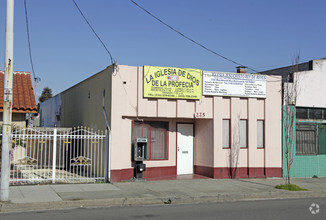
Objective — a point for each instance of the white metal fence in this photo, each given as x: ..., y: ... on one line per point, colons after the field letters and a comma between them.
x: 57, y: 155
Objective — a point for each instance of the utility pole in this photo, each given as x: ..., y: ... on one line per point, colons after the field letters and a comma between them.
x: 7, y: 102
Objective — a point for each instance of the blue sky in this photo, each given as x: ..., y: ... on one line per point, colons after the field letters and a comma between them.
x: 256, y: 33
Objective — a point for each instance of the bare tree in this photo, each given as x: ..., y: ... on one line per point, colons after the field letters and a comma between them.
x: 290, y: 94
x: 234, y: 150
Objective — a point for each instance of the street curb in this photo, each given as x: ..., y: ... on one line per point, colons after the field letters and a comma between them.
x: 7, y: 207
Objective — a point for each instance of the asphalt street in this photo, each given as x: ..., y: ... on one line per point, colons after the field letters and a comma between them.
x: 307, y: 208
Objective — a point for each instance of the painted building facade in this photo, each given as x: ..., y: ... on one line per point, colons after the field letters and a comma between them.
x: 309, y: 130
x: 191, y: 126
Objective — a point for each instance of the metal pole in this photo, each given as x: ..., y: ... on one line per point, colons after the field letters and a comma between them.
x: 54, y: 156
x: 7, y: 102
x: 106, y: 160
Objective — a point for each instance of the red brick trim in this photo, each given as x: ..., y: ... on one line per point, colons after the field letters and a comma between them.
x: 221, y: 173
x: 212, y: 172
x: 204, y: 171
x: 242, y: 172
x: 274, y: 172
x: 120, y: 175
x: 151, y: 172
x: 257, y: 172
x: 155, y: 172
x: 225, y: 172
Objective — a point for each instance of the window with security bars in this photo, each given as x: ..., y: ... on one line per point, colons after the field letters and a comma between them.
x: 306, y: 139
x: 156, y: 134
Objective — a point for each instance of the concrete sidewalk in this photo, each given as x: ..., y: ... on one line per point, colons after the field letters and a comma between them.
x: 40, y: 197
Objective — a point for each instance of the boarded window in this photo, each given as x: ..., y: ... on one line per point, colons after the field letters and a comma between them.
x: 156, y: 134
x: 226, y: 133
x: 243, y: 133
x: 260, y: 133
x: 306, y: 139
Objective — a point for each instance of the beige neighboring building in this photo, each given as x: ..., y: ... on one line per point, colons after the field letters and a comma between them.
x: 219, y: 125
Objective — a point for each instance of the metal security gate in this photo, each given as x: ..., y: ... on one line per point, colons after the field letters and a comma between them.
x: 306, y: 139
x: 57, y: 155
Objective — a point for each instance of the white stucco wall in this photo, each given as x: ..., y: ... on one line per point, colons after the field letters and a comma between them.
x: 252, y: 109
x: 204, y: 152
x: 311, y: 85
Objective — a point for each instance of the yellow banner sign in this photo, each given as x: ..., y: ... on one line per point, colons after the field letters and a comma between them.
x: 172, y: 83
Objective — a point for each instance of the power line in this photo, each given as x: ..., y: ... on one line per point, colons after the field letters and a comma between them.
x: 36, y: 79
x: 107, y: 50
x: 276, y: 65
x: 190, y: 39
x: 195, y: 42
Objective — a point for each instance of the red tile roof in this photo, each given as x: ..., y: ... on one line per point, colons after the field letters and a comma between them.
x: 23, y: 95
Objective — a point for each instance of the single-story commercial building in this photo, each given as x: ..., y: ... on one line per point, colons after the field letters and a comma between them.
x: 308, y: 155
x: 216, y: 124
